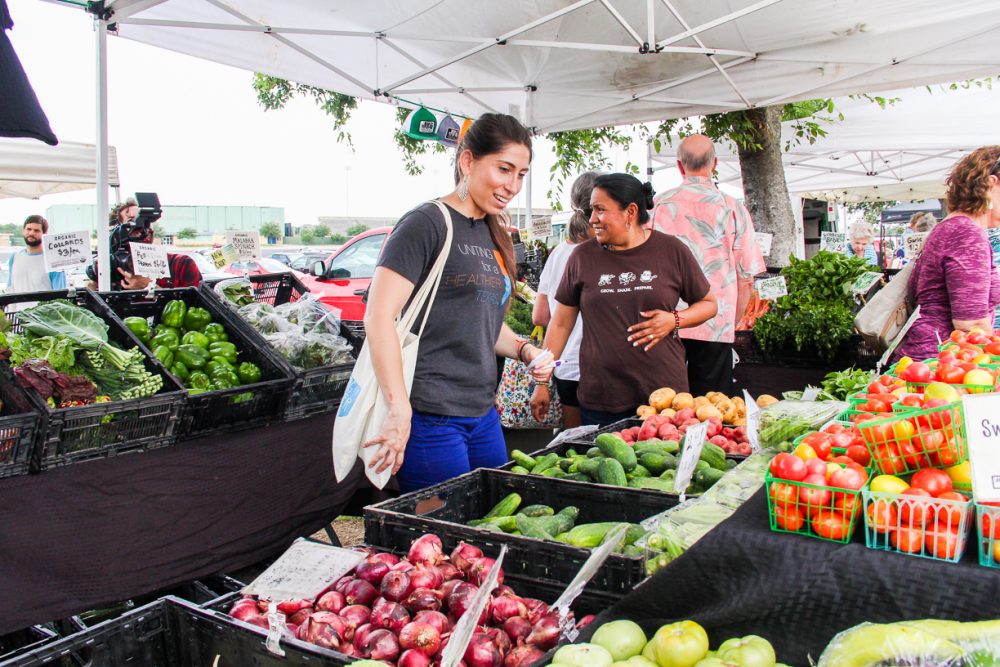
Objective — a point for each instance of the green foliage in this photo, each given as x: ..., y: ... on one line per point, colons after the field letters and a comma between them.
x: 337, y: 238
x: 187, y: 233
x: 270, y: 230
x: 159, y: 231
x: 578, y: 151
x: 872, y: 210
x: 354, y: 230
x: 274, y: 93
x: 307, y: 235
x: 321, y: 231
x: 519, y: 318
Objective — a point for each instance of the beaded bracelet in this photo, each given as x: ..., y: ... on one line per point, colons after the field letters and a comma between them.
x: 520, y: 349
x: 677, y: 325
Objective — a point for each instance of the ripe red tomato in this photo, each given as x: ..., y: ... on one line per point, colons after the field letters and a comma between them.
x: 889, y: 460
x: 882, y: 515
x: 950, y: 513
x: 951, y: 374
x: 821, y: 443
x: 860, y: 454
x: 931, y: 480
x: 942, y: 541
x: 784, y: 495
x: 788, y: 466
x: 913, y: 511
x: 815, y: 467
x: 907, y: 539
x: 991, y: 526
x: 790, y: 517
x: 846, y: 504
x: 842, y: 440
x: 814, y: 499
x: 874, y: 405
x: 911, y: 400
x: 878, y: 433
x: 847, y: 478
x: 917, y: 372
x: 913, y: 457
x: 831, y: 525
x: 957, y: 336
x: 977, y: 338
x: 833, y: 429
x: 992, y: 348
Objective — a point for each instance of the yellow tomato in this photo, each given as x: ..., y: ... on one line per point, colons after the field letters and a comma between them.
x: 941, y: 390
x: 899, y: 391
x: 983, y: 359
x: 888, y: 484
x: 903, y: 430
x: 980, y: 377
x: 832, y: 468
x: 960, y: 474
x: 902, y: 364
x: 976, y: 330
x: 805, y: 452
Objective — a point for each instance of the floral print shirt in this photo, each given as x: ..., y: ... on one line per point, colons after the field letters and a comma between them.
x: 718, y: 230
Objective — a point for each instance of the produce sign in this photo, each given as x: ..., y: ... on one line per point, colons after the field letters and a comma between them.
x: 982, y: 413
x: 833, y: 242
x: 66, y: 250
x: 246, y: 244
x: 771, y: 289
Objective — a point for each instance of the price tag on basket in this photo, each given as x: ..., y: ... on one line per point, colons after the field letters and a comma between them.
x: 247, y: 244
x: 303, y: 571
x: 66, y: 250
x: 692, y: 444
x: 772, y: 288
x: 224, y: 256
x: 150, y: 260
x: 764, y: 241
x: 753, y: 421
x: 865, y: 282
x: 982, y: 430
x: 462, y: 633
x: 833, y: 241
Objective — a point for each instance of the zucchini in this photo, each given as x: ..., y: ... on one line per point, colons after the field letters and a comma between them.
x: 537, y: 510
x: 505, y: 507
x: 615, y: 448
x: 611, y: 472
x: 522, y: 459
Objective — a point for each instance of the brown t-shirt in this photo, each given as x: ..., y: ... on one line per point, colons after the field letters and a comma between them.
x: 610, y: 288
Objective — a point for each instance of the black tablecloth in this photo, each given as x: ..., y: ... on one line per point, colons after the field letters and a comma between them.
x: 799, y: 592
x: 80, y: 536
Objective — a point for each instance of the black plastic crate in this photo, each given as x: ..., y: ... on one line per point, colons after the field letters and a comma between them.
x: 172, y: 632
x: 71, y: 435
x: 23, y: 641
x: 316, y: 390
x: 19, y: 426
x: 243, y: 407
x: 445, y: 509
x: 853, y: 352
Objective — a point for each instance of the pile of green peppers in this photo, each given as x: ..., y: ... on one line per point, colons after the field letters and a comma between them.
x: 195, y: 349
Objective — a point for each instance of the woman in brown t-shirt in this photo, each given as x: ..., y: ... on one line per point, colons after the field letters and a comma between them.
x: 626, y: 282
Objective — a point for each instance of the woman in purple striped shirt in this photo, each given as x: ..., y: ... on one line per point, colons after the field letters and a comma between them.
x: 954, y: 281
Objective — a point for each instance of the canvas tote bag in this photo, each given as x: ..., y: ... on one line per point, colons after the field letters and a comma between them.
x: 881, y: 319
x: 363, y: 408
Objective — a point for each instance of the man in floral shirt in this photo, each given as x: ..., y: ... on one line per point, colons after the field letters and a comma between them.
x: 718, y: 230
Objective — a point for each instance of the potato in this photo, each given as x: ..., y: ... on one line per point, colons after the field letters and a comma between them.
x: 765, y: 400
x: 668, y: 412
x: 700, y: 401
x: 645, y: 411
x: 682, y: 400
x: 741, y: 406
x: 707, y: 410
x: 662, y: 398
x: 730, y: 416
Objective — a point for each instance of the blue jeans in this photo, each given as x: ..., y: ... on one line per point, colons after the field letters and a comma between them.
x: 442, y: 447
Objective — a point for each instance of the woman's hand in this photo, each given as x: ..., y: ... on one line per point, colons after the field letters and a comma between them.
x: 540, y: 399
x: 658, y: 325
x: 392, y: 439
x: 540, y: 372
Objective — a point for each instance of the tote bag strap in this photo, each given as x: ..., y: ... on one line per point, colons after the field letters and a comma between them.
x: 428, y: 290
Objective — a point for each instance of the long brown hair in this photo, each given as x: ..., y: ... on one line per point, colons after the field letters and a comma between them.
x: 969, y: 181
x: 488, y: 135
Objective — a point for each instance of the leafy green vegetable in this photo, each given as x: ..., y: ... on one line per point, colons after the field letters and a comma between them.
x: 841, y: 384
x: 62, y: 318
x: 519, y: 318
x: 57, y: 350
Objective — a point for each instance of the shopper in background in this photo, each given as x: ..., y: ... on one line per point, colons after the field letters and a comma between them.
x: 859, y: 242
x: 719, y: 231
x: 954, y: 281
x: 448, y: 423
x: 626, y: 282
x: 26, y: 272
x: 567, y: 375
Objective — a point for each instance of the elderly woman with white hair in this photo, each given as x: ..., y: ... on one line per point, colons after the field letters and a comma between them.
x: 859, y: 244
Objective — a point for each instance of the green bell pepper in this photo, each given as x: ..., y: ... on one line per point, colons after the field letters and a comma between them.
x: 216, y: 333
x: 225, y: 362
x: 225, y: 350
x: 220, y: 383
x: 180, y: 371
x: 165, y: 355
x: 248, y: 373
x: 199, y: 380
x: 197, y: 319
x: 195, y: 338
x: 139, y: 326
x: 163, y: 328
x: 192, y: 356
x: 228, y: 377
x: 166, y: 339
x: 213, y: 367
x: 174, y: 313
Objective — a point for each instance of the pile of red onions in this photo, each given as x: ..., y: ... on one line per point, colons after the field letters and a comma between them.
x: 402, y: 611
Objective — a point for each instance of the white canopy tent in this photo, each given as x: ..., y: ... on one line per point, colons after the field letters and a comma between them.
x: 901, y: 152
x: 568, y: 64
x: 31, y: 169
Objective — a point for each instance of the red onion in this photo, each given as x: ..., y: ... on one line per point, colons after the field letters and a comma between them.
x: 359, y: 591
x: 507, y: 606
x: 289, y: 607
x: 263, y: 604
x: 433, y: 618
x: 387, y: 558
x: 500, y: 638
x: 536, y: 609
x: 396, y: 586
x: 449, y: 586
x: 381, y: 645
x: 260, y: 621
x: 523, y: 656
x: 585, y: 621
x: 389, y: 615
x: 413, y: 658
x: 517, y: 628
x: 353, y: 616
x: 244, y: 609
x: 371, y: 571
x: 292, y: 628
x: 481, y: 569
x: 326, y: 629
x: 426, y: 577
x: 448, y: 572
x: 502, y: 590
x: 421, y: 599
x: 402, y: 566
x: 426, y: 550
x: 461, y: 599
x: 302, y: 632
x: 331, y: 601
x: 361, y: 635
x: 341, y: 583
x: 301, y: 615
x: 482, y: 652
x: 422, y: 637
x: 545, y: 632
x: 464, y: 554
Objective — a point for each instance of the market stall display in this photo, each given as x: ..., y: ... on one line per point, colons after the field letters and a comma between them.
x: 19, y: 425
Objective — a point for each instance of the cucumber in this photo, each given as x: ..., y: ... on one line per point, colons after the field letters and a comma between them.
x: 571, y: 453
x: 537, y: 510
x: 655, y: 483
x: 532, y: 528
x: 615, y: 448
x: 640, y: 471
x: 522, y: 459
x: 578, y: 477
x: 504, y: 523
x: 543, y: 463
x: 655, y: 463
x: 552, y: 472
x: 589, y: 535
x: 611, y: 472
x: 594, y: 452
x: 714, y: 455
x: 545, y: 527
x: 707, y: 478
x: 519, y: 470
x: 671, y: 446
x: 589, y: 467
x: 505, y: 507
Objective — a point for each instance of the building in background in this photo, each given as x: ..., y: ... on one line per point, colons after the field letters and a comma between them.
x: 207, y: 221
x: 339, y: 224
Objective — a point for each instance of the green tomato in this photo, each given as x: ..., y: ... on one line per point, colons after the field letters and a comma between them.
x: 582, y: 655
x: 635, y: 661
x: 680, y: 644
x: 715, y: 661
x: 749, y: 651
x: 623, y: 639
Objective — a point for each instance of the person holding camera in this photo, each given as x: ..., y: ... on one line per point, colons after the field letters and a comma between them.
x: 183, y: 271
x: 27, y: 268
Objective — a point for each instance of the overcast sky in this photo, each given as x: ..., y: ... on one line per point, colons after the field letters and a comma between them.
x: 192, y: 131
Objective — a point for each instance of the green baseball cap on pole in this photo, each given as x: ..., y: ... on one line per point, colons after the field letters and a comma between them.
x: 421, y: 125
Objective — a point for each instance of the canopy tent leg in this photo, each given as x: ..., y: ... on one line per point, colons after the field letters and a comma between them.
x: 101, y: 211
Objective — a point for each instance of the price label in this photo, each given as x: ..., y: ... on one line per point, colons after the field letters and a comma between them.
x: 833, y: 241
x: 772, y: 288
x: 66, y: 250
x: 753, y: 421
x: 303, y: 571
x: 694, y: 441
x: 541, y: 226
x: 982, y: 429
x: 865, y: 282
x: 150, y: 260
x: 224, y: 256
x: 810, y: 394
x: 913, y: 244
x: 764, y: 241
x: 246, y: 244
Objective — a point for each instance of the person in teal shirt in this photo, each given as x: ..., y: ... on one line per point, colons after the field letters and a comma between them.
x: 859, y: 242
x: 26, y: 271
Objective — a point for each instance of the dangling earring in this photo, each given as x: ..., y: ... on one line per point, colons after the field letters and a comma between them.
x: 463, y: 188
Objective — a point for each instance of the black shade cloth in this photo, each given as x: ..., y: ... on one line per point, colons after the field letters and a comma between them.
x: 20, y: 113
x: 773, y: 379
x: 78, y: 537
x: 798, y: 592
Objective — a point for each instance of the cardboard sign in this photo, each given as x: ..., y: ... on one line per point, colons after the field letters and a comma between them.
x: 865, y: 282
x: 764, y: 241
x: 541, y: 226
x: 753, y: 421
x: 303, y: 571
x: 150, y: 260
x: 694, y: 441
x: 224, y: 256
x: 913, y: 243
x: 982, y: 429
x: 833, y: 241
x: 66, y: 250
x: 772, y: 288
x: 246, y: 244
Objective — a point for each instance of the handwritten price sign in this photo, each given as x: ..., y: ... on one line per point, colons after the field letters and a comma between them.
x: 833, y: 241
x: 150, y: 260
x: 66, y: 250
x: 246, y: 244
x: 224, y: 256
x: 772, y: 288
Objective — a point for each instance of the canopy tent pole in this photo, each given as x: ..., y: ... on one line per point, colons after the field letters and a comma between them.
x: 101, y: 211
x: 527, y: 186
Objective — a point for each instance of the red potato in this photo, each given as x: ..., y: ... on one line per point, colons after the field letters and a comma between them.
x: 743, y: 449
x: 714, y: 427
x: 721, y: 441
x: 667, y: 432
x: 683, y: 416
x: 728, y: 432
x: 647, y: 431
x: 740, y: 434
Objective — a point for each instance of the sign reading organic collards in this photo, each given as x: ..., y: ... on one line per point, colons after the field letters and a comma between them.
x: 66, y: 250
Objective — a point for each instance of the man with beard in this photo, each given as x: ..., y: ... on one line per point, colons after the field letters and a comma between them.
x: 27, y: 268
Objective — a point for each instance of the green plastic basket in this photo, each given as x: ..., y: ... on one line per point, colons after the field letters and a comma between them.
x: 784, y: 511
x: 988, y: 531
x: 908, y: 441
x: 889, y: 531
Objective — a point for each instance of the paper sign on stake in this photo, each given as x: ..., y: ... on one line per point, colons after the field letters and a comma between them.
x: 303, y: 571
x: 833, y: 241
x: 462, y: 633
x: 589, y: 569
x: 150, y: 260
x: 541, y: 226
x: 913, y: 243
x: 692, y: 444
x: 764, y: 241
x: 753, y: 421
x: 982, y: 429
x: 247, y: 244
x: 275, y: 627
x: 865, y: 282
x: 772, y: 288
x: 66, y: 250
x: 224, y: 256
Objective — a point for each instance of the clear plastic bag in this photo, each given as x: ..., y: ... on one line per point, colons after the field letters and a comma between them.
x: 311, y: 315
x: 786, y: 420
x: 235, y: 292
x: 930, y: 642
x: 264, y: 318
x: 311, y: 349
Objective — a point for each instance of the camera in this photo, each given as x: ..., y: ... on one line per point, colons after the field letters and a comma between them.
x: 139, y: 230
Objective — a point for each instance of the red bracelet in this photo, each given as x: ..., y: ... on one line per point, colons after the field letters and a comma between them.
x: 520, y: 347
x: 677, y: 324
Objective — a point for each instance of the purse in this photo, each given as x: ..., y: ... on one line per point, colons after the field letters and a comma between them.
x: 514, y: 398
x: 882, y: 318
x: 363, y: 407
